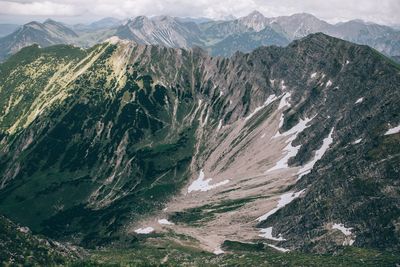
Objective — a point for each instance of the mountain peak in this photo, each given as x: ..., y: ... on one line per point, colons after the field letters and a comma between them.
x: 305, y: 16
x: 255, y: 15
x: 50, y: 21
x: 255, y: 20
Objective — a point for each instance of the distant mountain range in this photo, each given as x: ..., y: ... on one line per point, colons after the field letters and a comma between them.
x: 219, y: 38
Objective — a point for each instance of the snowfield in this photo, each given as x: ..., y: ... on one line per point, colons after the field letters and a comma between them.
x: 393, y: 130
x: 318, y: 155
x: 144, y: 231
x: 204, y: 185
x: 283, y: 201
x: 290, y: 150
x: 267, y: 233
x: 165, y: 222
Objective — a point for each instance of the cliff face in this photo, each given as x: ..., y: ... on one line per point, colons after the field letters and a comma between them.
x: 96, y: 143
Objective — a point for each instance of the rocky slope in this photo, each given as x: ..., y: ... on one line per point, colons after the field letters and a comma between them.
x: 295, y: 147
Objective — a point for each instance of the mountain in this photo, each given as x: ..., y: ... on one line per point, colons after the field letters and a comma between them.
x: 247, y: 42
x: 105, y: 23
x: 216, y: 31
x: 162, y: 30
x: 6, y: 29
x: 195, y: 20
x: 44, y: 34
x: 255, y: 20
x: 382, y: 38
x: 223, y: 37
x: 101, y: 24
x: 300, y: 25
x: 292, y: 147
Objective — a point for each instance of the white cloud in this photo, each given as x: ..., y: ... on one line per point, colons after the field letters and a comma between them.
x: 383, y: 11
x: 43, y: 8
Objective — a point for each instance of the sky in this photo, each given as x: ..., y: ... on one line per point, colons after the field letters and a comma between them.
x: 83, y: 11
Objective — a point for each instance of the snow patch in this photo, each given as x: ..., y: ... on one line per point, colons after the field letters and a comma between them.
x: 219, y: 125
x: 283, y: 86
x: 283, y: 201
x: 357, y: 141
x: 347, y: 62
x: 218, y: 251
x: 359, y: 100
x: 144, y: 231
x: 284, y: 101
x: 318, y: 155
x: 24, y: 229
x: 281, y: 121
x: 165, y: 222
x: 290, y: 150
x: 346, y: 231
x: 329, y: 83
x: 267, y: 233
x: 272, y: 81
x: 279, y: 248
x: 393, y: 130
x: 204, y: 185
x: 313, y: 75
x: 269, y: 100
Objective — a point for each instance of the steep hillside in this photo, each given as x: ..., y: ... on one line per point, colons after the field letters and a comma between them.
x: 294, y: 147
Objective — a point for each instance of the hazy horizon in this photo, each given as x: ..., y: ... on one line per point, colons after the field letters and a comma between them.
x: 20, y: 20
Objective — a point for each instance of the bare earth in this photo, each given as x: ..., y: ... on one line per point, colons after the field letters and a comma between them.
x: 248, y: 177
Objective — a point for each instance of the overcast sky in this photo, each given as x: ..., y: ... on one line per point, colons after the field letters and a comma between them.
x: 21, y: 11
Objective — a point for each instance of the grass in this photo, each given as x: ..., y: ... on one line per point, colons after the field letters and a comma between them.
x: 237, y: 254
x: 199, y: 215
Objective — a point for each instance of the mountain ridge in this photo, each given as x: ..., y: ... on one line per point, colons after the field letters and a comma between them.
x: 215, y: 35
x: 164, y: 116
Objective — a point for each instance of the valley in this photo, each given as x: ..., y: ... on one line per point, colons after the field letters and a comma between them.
x: 286, y: 154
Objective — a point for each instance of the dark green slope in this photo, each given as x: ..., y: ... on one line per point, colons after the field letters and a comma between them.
x: 18, y: 247
x: 62, y: 185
